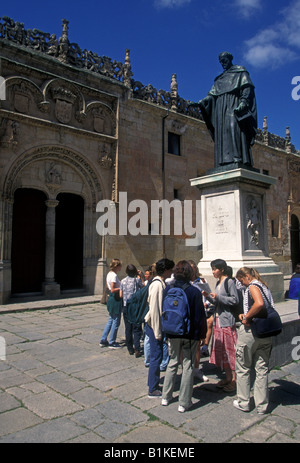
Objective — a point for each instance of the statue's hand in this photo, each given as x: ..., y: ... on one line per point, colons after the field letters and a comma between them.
x: 241, y: 108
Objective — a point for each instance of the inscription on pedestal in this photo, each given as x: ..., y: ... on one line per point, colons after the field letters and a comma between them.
x: 220, y: 215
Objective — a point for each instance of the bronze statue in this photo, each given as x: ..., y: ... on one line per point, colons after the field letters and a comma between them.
x: 229, y: 111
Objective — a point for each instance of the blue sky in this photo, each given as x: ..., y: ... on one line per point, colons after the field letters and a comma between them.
x: 185, y: 37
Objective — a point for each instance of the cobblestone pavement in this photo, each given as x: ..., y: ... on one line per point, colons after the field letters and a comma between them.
x: 58, y: 385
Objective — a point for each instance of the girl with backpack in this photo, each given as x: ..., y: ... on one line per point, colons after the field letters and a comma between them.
x: 225, y: 336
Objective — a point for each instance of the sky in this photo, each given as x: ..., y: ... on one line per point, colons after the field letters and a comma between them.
x: 185, y: 37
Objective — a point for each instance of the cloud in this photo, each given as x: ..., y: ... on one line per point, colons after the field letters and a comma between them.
x: 171, y: 3
x: 277, y: 44
x: 247, y: 7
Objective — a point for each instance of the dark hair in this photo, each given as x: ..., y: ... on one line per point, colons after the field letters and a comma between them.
x: 220, y: 264
x: 183, y: 271
x: 162, y: 265
x: 131, y: 270
x: 229, y: 271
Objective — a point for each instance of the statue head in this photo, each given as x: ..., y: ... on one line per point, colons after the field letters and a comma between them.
x: 226, y: 59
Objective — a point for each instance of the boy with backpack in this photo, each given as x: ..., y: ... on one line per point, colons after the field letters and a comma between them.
x: 153, y: 327
x: 185, y: 326
x: 133, y: 331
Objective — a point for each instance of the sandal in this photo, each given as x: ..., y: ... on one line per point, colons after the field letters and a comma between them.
x: 231, y: 387
x: 222, y: 383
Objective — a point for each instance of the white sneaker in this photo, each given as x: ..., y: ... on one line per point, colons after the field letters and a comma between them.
x: 198, y: 374
x: 236, y: 404
x: 165, y: 402
x: 182, y: 409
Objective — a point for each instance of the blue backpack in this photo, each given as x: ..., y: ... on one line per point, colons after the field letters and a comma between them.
x: 175, y: 318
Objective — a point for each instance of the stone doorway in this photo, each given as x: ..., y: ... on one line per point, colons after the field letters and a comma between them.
x: 28, y: 241
x: 69, y: 241
x: 295, y: 241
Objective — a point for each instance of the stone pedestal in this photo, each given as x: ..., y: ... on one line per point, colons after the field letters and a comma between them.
x: 234, y: 224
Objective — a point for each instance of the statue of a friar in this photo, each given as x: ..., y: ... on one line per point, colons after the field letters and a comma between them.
x: 229, y: 111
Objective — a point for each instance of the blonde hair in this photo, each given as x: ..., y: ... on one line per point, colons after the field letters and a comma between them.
x: 244, y: 271
x: 115, y: 263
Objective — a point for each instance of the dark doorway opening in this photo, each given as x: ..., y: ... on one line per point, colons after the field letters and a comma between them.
x: 28, y: 241
x: 295, y: 241
x: 69, y: 241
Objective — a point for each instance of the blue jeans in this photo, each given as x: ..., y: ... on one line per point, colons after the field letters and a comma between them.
x: 112, y: 326
x: 156, y: 353
x: 165, y: 359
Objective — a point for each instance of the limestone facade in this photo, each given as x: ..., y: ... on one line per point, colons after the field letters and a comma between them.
x: 75, y: 129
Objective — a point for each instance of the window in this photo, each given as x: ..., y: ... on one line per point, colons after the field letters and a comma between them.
x: 174, y: 143
x: 275, y: 227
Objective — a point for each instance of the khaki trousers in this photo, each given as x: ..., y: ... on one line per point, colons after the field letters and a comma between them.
x: 188, y: 349
x: 252, y: 352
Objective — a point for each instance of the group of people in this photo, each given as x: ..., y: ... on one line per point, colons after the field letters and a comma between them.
x: 213, y: 321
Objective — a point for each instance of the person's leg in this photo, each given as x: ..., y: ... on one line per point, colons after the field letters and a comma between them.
x: 170, y: 376
x: 114, y: 328
x: 128, y: 333
x: 244, y: 345
x: 189, y: 348
x: 106, y: 329
x: 261, y: 362
x: 137, y: 335
x: 146, y: 350
x: 156, y: 350
x: 166, y: 356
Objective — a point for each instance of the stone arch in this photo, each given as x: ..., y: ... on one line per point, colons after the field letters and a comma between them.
x: 30, y: 171
x: 55, y: 154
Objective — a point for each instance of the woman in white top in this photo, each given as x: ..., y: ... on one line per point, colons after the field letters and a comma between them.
x: 114, y: 306
x: 251, y: 350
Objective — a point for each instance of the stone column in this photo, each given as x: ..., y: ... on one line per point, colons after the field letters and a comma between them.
x: 50, y: 287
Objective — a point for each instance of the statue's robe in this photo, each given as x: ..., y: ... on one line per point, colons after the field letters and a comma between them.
x: 233, y: 133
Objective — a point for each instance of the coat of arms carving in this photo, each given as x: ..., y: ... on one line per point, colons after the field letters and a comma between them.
x: 64, y: 100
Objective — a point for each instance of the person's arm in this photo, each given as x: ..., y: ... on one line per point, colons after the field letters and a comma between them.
x: 258, y: 304
x: 114, y: 288
x: 155, y: 304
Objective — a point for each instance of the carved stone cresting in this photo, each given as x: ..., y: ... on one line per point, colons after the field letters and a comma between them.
x: 71, y: 54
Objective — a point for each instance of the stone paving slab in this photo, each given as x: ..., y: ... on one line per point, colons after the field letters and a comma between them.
x: 58, y: 385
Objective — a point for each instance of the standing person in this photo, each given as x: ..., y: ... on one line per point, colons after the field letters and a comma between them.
x: 149, y: 275
x: 153, y: 324
x: 224, y: 341
x: 195, y: 280
x: 294, y: 286
x: 114, y: 306
x: 187, y: 344
x: 133, y: 331
x: 250, y: 349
